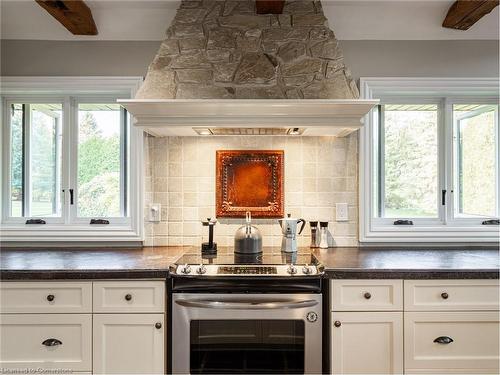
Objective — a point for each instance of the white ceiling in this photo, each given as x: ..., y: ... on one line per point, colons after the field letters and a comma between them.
x: 148, y: 20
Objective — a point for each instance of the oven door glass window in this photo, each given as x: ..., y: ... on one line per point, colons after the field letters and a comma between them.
x: 247, y: 346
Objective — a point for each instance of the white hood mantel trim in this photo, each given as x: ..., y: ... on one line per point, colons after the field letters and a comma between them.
x: 315, y: 117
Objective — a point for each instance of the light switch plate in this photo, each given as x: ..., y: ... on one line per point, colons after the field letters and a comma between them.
x: 342, y: 212
x: 155, y: 212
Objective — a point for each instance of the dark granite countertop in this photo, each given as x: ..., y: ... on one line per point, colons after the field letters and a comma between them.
x: 154, y: 262
x: 88, y: 263
x: 409, y: 263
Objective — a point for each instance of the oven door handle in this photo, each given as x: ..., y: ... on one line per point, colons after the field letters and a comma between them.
x: 246, y: 304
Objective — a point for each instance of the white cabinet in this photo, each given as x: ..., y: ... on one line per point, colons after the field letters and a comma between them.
x: 128, y: 343
x: 367, y: 295
x: 452, y: 342
x: 452, y: 327
x: 367, y: 343
x: 45, y: 297
x: 367, y: 327
x: 42, y: 326
x: 46, y: 341
x: 129, y: 296
x: 451, y: 295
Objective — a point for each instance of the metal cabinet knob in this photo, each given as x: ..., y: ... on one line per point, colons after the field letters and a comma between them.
x: 443, y: 340
x: 158, y: 325
x: 337, y: 324
x: 52, y: 342
x: 128, y: 297
x: 444, y: 295
x: 50, y: 297
x: 367, y: 295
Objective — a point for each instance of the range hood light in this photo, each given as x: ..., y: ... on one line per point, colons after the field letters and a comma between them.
x: 203, y: 131
x: 294, y: 131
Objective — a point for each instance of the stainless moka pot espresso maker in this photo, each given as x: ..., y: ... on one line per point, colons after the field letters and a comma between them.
x: 289, y: 230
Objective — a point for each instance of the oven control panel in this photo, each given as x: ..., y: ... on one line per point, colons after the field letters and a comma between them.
x: 247, y: 270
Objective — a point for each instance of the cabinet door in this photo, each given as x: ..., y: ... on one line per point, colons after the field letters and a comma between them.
x: 367, y: 343
x: 129, y: 343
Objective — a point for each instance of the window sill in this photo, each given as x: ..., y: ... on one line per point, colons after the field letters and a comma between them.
x: 439, y: 234
x: 87, y: 233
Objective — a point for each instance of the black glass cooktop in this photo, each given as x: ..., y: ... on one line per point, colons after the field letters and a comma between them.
x: 268, y: 256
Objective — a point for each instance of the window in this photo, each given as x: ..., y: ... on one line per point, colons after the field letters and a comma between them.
x: 35, y: 159
x: 70, y: 165
x: 476, y: 160
x: 429, y: 162
x: 102, y: 150
x: 407, y: 156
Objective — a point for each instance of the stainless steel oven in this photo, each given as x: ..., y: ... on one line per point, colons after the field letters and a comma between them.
x: 216, y: 333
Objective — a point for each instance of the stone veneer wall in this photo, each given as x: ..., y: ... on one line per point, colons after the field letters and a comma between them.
x: 180, y: 174
x: 222, y: 49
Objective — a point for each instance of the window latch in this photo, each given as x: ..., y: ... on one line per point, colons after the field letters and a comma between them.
x: 71, y: 201
x: 491, y: 222
x: 99, y: 221
x: 403, y: 222
x: 443, y: 197
x: 35, y: 221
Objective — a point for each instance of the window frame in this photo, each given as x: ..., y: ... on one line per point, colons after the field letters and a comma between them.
x: 455, y: 162
x: 447, y: 91
x: 124, y: 180
x: 6, y: 177
x: 67, y: 228
x: 440, y: 219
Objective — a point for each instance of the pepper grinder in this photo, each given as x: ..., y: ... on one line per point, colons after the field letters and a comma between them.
x: 323, y: 225
x: 210, y: 246
x: 314, y: 234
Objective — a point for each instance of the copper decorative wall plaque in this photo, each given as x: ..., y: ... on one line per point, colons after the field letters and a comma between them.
x: 249, y: 181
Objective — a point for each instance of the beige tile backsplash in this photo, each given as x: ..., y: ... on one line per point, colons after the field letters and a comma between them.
x: 180, y: 174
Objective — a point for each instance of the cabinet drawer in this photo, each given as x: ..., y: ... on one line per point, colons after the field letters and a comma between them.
x: 473, y: 346
x: 129, y: 296
x: 367, y: 295
x: 435, y: 295
x: 45, y: 297
x: 46, y: 341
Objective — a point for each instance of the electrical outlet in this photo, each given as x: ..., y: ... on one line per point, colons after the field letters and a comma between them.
x: 155, y: 212
x: 342, y: 211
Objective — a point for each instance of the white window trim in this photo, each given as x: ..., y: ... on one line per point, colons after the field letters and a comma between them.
x: 43, y: 87
x: 369, y: 232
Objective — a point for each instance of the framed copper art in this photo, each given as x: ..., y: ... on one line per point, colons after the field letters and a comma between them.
x: 250, y: 180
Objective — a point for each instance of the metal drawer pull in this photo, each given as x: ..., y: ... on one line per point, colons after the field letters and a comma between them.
x: 443, y: 340
x: 158, y: 325
x: 128, y: 297
x: 444, y: 295
x: 50, y: 297
x: 246, y: 304
x: 337, y: 324
x: 52, y: 342
x: 367, y: 295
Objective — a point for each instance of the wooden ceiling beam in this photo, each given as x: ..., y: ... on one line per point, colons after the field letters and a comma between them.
x: 465, y: 13
x: 74, y: 15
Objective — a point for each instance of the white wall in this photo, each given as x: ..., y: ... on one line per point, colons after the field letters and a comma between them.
x: 445, y: 58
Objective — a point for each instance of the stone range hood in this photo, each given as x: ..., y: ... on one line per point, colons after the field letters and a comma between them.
x: 222, y: 66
